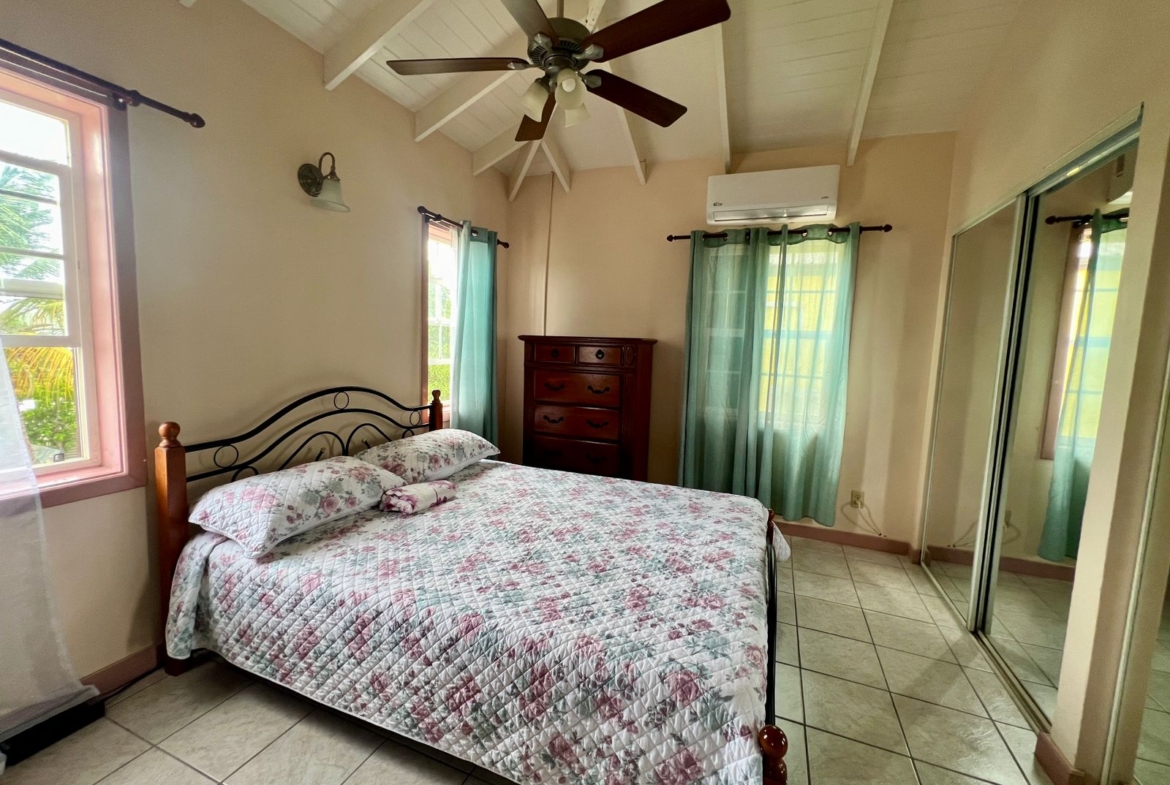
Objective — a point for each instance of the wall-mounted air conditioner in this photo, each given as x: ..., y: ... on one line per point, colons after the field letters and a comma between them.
x: 806, y: 195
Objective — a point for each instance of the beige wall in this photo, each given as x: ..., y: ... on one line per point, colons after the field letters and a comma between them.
x: 1068, y: 74
x: 612, y: 273
x: 247, y: 295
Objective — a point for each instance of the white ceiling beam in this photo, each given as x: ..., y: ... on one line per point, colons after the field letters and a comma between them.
x: 721, y: 90
x: 593, y: 14
x: 628, y: 139
x: 560, y: 164
x: 448, y: 104
x: 187, y: 3
x: 875, y: 53
x: 520, y: 169
x: 495, y: 151
x: 366, y: 37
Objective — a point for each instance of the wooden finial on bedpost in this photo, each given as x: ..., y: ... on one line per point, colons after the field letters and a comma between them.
x: 774, y: 746
x: 436, y: 419
x: 170, y: 485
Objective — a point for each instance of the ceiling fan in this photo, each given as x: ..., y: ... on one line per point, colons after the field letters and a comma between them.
x: 561, y: 47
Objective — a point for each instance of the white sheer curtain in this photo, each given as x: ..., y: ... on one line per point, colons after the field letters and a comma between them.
x: 36, y: 676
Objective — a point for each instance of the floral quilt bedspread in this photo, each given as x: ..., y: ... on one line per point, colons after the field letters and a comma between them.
x: 551, y: 627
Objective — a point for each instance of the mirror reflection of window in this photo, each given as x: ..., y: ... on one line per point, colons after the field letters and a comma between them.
x: 1070, y: 299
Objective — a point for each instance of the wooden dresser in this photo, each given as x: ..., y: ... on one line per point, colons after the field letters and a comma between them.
x: 587, y: 404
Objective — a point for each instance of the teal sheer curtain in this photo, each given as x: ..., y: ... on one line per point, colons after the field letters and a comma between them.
x: 1080, y: 409
x: 767, y: 355
x: 473, y: 348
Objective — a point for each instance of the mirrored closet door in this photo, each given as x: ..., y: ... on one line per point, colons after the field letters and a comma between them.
x: 968, y: 398
x: 1029, y: 322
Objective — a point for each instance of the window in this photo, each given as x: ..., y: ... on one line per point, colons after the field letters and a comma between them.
x: 439, y: 275
x: 62, y: 328
x: 1090, y: 370
x: 796, y: 369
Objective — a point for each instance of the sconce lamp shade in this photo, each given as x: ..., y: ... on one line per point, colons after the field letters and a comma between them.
x: 324, y: 188
x: 330, y: 196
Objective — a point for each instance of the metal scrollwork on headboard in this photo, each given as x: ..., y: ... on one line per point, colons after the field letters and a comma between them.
x: 237, y: 456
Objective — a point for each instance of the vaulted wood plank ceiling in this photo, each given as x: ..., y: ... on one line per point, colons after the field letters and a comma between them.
x: 780, y: 73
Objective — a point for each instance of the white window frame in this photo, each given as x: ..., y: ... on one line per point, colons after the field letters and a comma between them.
x: 76, y: 286
x: 432, y: 320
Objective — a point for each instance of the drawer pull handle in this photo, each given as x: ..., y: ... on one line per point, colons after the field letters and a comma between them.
x: 555, y: 387
x: 554, y: 422
x: 597, y: 392
x: 600, y: 355
x: 556, y: 352
x: 592, y: 424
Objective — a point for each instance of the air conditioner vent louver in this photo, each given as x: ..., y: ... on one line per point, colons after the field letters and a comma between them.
x: 804, y: 195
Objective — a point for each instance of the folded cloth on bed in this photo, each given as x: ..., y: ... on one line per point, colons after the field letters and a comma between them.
x: 410, y: 499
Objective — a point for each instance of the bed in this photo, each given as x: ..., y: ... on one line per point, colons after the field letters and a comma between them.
x: 548, y: 626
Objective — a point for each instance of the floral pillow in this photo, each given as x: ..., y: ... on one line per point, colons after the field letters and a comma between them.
x: 261, y: 512
x: 434, y: 455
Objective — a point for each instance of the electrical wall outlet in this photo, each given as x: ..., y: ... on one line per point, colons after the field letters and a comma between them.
x: 857, y: 499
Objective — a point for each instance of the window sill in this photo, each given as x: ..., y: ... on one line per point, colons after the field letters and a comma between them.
x: 88, y: 483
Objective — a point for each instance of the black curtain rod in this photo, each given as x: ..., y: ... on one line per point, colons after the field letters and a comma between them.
x: 773, y: 233
x: 122, y: 97
x: 439, y: 219
x: 1081, y: 220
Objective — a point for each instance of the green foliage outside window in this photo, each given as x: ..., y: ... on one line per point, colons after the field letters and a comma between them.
x: 43, y: 378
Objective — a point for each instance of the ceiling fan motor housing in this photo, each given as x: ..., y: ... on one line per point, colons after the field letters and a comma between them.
x: 568, y: 51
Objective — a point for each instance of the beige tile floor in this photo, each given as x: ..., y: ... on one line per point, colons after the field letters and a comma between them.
x: 877, y: 684
x: 1153, y: 765
x: 1030, y: 619
x: 881, y: 684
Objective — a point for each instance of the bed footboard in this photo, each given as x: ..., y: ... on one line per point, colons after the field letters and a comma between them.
x: 774, y: 746
x: 773, y: 741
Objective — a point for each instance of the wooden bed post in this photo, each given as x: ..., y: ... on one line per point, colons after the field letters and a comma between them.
x: 774, y: 746
x: 436, y: 418
x: 170, y: 483
x: 773, y: 741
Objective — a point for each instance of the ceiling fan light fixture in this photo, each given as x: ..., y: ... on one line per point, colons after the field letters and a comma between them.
x: 534, y: 99
x: 570, y: 91
x: 576, y: 115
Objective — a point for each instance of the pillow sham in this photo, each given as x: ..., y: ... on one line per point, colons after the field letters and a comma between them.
x: 434, y: 455
x: 261, y: 512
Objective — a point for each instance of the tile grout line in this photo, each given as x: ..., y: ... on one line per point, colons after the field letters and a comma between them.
x: 127, y: 763
x: 269, y: 744
x: 184, y: 725
x: 358, y: 767
x: 998, y: 732
x: 800, y: 675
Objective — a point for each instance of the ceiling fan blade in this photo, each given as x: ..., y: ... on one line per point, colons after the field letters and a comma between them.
x: 531, y: 17
x: 645, y: 103
x: 456, y: 65
x: 661, y: 22
x: 530, y: 130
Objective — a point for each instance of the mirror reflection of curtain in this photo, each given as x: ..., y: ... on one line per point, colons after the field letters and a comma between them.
x: 473, y: 351
x: 36, y: 676
x: 767, y: 365
x: 1080, y: 408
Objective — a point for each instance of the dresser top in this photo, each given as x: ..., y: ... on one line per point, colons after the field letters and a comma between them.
x: 584, y: 340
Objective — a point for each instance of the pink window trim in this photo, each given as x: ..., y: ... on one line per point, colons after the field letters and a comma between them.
x: 113, y: 301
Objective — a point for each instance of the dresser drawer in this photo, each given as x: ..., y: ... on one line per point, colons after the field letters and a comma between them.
x: 575, y: 456
x: 578, y: 421
x: 599, y: 355
x: 591, y: 389
x: 552, y: 353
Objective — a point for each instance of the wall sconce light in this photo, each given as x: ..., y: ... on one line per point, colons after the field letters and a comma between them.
x: 324, y: 188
